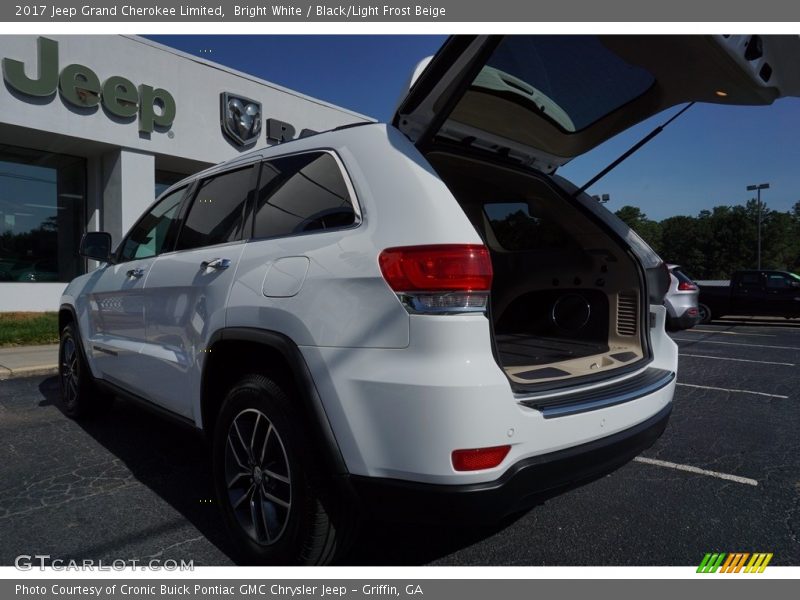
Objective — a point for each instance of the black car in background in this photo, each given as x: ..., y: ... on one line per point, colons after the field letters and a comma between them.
x: 752, y: 293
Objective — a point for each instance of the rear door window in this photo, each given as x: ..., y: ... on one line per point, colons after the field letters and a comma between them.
x: 217, y: 212
x: 750, y: 281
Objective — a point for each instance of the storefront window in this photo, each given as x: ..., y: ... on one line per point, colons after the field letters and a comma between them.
x: 42, y: 215
x: 165, y: 179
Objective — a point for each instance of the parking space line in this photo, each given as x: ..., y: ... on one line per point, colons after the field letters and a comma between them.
x: 750, y: 325
x: 761, y: 362
x: 696, y: 470
x: 719, y: 389
x: 723, y: 332
x: 736, y: 344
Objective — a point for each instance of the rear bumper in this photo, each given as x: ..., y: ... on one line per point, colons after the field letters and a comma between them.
x: 688, y: 319
x: 524, y: 484
x: 398, y: 414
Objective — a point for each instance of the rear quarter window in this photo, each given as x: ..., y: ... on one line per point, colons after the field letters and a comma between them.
x: 300, y: 194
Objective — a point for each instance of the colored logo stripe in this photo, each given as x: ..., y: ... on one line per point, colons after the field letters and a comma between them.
x: 758, y: 563
x: 734, y: 562
x: 711, y: 563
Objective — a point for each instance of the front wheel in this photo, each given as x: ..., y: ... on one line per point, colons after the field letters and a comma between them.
x: 79, y: 395
x: 704, y: 313
x: 273, y: 502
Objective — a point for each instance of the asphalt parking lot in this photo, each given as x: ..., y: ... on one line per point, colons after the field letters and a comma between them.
x: 725, y: 477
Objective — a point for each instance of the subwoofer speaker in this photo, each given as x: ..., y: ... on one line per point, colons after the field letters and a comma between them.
x: 571, y: 312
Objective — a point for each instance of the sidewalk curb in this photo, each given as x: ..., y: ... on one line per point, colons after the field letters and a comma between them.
x: 7, y: 374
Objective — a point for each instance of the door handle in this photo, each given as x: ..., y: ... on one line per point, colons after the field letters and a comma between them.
x: 217, y: 263
x: 137, y: 272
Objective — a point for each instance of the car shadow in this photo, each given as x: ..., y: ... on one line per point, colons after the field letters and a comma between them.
x: 173, y: 461
x: 387, y: 543
x: 390, y: 543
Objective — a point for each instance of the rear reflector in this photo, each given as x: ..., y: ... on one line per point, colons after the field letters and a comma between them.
x: 686, y: 286
x: 476, y: 459
x: 445, y: 268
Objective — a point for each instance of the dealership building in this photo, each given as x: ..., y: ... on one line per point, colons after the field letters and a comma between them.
x: 92, y: 128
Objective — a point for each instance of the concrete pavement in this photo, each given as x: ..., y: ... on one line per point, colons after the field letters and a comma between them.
x: 23, y: 361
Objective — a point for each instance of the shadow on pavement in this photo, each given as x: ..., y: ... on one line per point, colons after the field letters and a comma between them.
x: 170, y: 460
x: 173, y: 462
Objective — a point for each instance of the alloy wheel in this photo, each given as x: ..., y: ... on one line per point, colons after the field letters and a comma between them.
x: 702, y: 313
x: 257, y: 476
x: 70, y: 376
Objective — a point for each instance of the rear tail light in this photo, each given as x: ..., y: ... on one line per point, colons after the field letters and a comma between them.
x: 475, y: 459
x: 687, y: 286
x: 453, y: 278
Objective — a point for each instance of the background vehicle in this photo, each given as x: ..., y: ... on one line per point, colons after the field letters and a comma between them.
x: 420, y: 319
x: 681, y: 300
x: 767, y: 293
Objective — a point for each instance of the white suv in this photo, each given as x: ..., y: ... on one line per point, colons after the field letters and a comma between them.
x: 420, y: 318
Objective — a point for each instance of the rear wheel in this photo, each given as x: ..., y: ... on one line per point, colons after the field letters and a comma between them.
x: 704, y: 313
x: 273, y: 502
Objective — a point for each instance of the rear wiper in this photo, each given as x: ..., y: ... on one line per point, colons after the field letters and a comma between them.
x: 630, y: 151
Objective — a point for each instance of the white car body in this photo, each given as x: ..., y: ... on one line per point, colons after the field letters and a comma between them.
x: 384, y: 347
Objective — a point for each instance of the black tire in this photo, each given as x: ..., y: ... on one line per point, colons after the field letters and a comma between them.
x: 79, y: 394
x: 285, y: 514
x: 704, y: 313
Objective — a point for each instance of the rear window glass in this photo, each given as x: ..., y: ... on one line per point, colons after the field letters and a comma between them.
x: 750, y: 280
x: 571, y: 80
x: 681, y: 276
x: 517, y: 229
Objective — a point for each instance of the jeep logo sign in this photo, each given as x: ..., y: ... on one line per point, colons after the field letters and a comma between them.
x: 80, y: 86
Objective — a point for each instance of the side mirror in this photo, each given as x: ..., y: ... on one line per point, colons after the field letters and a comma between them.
x: 96, y: 245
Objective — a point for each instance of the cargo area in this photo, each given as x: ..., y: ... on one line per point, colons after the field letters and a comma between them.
x: 566, y: 298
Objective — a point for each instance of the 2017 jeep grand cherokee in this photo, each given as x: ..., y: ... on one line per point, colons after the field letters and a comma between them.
x: 419, y: 317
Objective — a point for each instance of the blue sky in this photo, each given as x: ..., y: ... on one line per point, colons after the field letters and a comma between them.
x: 705, y: 158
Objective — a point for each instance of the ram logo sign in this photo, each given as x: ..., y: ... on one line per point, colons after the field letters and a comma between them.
x: 240, y: 118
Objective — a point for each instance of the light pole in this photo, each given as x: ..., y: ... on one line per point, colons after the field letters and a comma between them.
x: 757, y: 189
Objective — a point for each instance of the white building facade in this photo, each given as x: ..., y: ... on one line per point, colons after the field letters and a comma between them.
x: 92, y: 128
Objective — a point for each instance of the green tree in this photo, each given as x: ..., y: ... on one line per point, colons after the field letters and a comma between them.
x: 649, y: 230
x: 679, y: 244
